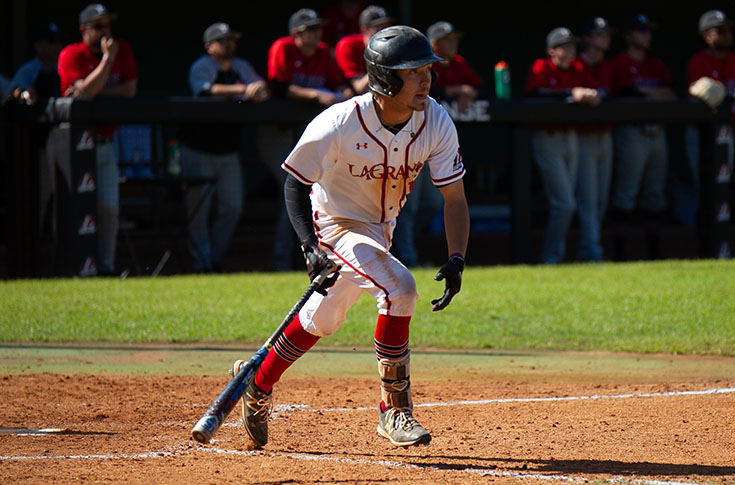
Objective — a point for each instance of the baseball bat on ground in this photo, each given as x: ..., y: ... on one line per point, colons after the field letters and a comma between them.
x: 218, y: 411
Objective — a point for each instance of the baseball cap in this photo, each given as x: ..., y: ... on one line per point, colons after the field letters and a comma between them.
x: 711, y: 19
x: 95, y: 11
x: 303, y: 19
x: 442, y: 29
x: 218, y: 31
x: 636, y: 21
x: 596, y: 25
x: 48, y: 32
x: 374, y: 15
x: 560, y: 36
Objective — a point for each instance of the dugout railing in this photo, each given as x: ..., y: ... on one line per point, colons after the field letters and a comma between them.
x: 78, y: 118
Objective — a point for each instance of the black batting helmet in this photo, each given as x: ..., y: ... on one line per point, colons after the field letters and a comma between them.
x: 396, y: 47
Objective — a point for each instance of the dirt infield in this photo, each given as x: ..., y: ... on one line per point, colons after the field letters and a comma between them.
x: 135, y: 429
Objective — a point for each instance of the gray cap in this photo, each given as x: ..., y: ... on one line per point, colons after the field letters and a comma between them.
x: 711, y: 19
x: 560, y: 36
x: 374, y: 15
x: 303, y: 19
x: 596, y: 25
x: 440, y: 30
x: 217, y: 31
x: 94, y: 11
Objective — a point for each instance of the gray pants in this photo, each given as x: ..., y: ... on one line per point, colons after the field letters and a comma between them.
x: 557, y: 156
x: 641, y: 165
x: 593, y: 189
x: 208, y: 243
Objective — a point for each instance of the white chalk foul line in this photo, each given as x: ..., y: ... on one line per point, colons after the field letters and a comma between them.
x: 306, y: 408
x: 397, y: 464
x: 411, y: 466
x: 342, y: 460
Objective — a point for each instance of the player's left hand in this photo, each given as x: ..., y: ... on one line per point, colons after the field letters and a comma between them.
x: 316, y: 261
x: 451, y: 273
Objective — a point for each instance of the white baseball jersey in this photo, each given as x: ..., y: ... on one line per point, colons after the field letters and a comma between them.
x: 360, y: 170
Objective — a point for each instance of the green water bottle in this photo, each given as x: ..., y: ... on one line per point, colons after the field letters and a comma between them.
x: 502, y: 80
x: 174, y: 158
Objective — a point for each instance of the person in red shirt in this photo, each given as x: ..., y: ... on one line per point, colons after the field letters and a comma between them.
x: 555, y: 147
x: 455, y: 78
x: 300, y: 67
x: 350, y: 50
x: 101, y: 65
x: 714, y: 62
x: 595, y: 145
x: 641, y: 151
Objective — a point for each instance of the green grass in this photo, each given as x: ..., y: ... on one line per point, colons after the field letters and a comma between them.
x: 672, y: 307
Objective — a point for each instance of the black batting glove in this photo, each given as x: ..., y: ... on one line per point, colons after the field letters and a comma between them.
x: 451, y: 273
x: 316, y: 261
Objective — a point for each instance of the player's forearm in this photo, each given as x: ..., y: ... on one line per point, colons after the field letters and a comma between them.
x: 227, y: 90
x: 301, y: 93
x: 298, y: 206
x: 124, y: 90
x: 456, y: 220
x: 94, y: 83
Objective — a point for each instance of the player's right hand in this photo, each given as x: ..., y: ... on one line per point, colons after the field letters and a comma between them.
x: 109, y: 46
x: 316, y: 261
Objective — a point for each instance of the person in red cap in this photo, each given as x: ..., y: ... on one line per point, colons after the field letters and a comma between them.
x: 350, y: 49
x: 101, y: 65
x: 300, y: 67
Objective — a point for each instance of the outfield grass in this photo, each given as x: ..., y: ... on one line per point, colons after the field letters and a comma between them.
x: 672, y: 307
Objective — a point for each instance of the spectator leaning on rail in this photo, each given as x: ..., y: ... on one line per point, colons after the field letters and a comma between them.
x: 101, y: 66
x: 350, y: 50
x: 711, y: 78
x: 555, y: 147
x: 641, y: 153
x: 456, y: 80
x: 35, y: 82
x: 300, y: 67
x: 212, y: 150
x: 595, y: 145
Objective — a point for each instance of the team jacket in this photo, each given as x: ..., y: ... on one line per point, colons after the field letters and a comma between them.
x: 629, y: 74
x: 546, y: 79
x: 288, y: 65
x: 361, y: 171
x: 704, y: 64
x: 349, y: 55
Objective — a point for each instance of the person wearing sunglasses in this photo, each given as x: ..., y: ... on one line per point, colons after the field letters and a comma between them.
x: 711, y: 78
x: 101, y: 65
x: 640, y: 167
x: 301, y: 67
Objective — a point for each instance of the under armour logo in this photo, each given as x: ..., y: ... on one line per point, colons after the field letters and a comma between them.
x: 361, y: 145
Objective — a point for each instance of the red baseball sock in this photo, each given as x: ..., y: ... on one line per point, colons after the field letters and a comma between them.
x: 391, y: 336
x: 292, y: 344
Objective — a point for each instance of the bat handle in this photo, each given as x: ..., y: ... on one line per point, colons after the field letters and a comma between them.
x: 324, y: 273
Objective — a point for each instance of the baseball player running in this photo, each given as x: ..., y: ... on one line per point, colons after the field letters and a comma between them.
x: 348, y: 177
